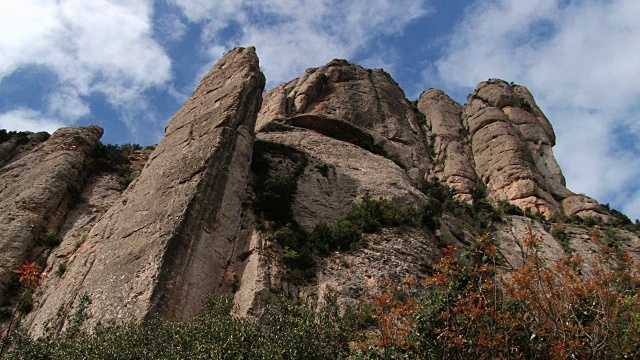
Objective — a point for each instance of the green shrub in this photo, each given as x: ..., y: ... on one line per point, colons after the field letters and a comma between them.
x: 22, y: 137
x: 559, y: 233
x: 275, y: 192
x: 61, y: 269
x: 287, y: 331
x: 510, y: 209
x: 128, y: 149
x: 431, y: 212
x: 346, y: 235
x: 302, y: 250
x: 371, y: 215
x: 50, y: 239
x: 591, y: 221
x: 112, y: 159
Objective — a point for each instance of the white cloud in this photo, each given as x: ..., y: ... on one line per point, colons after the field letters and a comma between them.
x: 291, y: 36
x: 582, y: 62
x: 98, y: 46
x: 22, y: 119
x: 171, y: 27
x: 67, y: 104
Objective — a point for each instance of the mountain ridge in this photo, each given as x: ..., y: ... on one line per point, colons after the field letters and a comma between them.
x: 242, y: 181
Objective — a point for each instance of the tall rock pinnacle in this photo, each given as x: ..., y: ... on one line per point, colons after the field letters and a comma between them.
x: 166, y: 245
x: 453, y: 160
x: 511, y: 140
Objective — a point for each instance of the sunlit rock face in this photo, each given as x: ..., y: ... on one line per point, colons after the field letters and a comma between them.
x: 167, y: 243
x: 191, y: 223
x: 35, y: 184
x: 368, y: 99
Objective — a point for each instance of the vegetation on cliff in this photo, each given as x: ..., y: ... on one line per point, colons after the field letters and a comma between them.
x: 470, y: 307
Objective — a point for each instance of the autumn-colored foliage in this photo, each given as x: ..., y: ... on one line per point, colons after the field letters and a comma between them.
x: 30, y: 274
x: 473, y: 307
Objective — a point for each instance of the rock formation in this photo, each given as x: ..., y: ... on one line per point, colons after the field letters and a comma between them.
x: 166, y: 244
x: 368, y: 99
x: 452, y: 158
x: 511, y: 141
x: 35, y: 193
x: 193, y: 222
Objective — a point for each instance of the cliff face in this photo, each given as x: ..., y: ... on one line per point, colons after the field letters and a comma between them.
x: 213, y: 212
x: 35, y: 189
x: 369, y: 99
x: 166, y: 243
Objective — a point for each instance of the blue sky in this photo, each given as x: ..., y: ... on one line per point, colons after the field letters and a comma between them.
x: 128, y: 65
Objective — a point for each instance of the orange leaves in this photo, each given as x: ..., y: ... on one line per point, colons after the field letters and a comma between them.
x: 30, y: 274
x: 576, y: 315
x: 540, y: 310
x: 394, y: 314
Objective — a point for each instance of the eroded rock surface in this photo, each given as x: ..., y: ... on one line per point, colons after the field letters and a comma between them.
x: 369, y: 99
x: 35, y: 191
x: 166, y: 244
x: 338, y: 174
x: 511, y: 142
x: 192, y: 224
x: 452, y: 158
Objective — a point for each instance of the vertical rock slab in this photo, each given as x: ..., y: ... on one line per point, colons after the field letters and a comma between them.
x: 452, y: 157
x: 369, y: 99
x: 167, y: 244
x: 35, y: 192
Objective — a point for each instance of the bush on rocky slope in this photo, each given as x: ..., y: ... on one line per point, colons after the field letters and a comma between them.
x: 541, y: 310
x: 287, y: 331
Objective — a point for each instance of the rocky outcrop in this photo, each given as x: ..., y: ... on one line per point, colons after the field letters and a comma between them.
x: 369, y: 99
x: 210, y: 207
x: 35, y: 192
x: 330, y: 177
x: 452, y: 158
x: 167, y: 243
x: 339, y: 174
x: 392, y: 255
x: 511, y: 140
x: 19, y: 144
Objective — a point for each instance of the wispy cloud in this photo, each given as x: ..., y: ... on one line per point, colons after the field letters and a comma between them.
x: 582, y: 62
x: 93, y: 47
x: 29, y: 120
x: 293, y: 35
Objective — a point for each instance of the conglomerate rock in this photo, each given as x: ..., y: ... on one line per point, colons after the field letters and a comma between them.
x: 369, y: 99
x: 511, y: 142
x: 35, y: 193
x: 188, y: 226
x: 167, y: 243
x: 452, y: 158
x: 338, y: 175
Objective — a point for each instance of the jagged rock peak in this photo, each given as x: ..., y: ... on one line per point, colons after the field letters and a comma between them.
x: 167, y: 244
x: 500, y: 94
x: 368, y: 99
